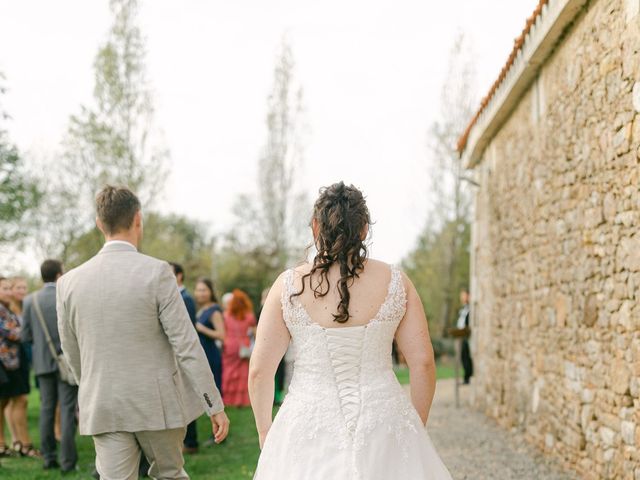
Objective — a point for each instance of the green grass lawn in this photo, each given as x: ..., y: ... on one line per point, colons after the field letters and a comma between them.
x: 233, y: 460
x: 442, y: 371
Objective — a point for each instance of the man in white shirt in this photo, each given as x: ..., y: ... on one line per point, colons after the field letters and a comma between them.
x: 463, y: 324
x: 129, y: 341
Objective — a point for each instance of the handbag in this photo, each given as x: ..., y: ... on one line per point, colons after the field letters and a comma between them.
x: 246, y: 351
x: 63, y: 366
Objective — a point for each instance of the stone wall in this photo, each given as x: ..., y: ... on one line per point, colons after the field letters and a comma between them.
x: 556, y: 253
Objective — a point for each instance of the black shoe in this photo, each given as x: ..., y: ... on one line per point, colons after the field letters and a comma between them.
x: 51, y: 465
x: 67, y: 471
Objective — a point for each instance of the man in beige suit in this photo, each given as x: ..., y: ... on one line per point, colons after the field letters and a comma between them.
x: 126, y: 334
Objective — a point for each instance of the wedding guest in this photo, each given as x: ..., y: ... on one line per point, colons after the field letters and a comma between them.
x: 178, y: 271
x: 463, y: 323
x: 239, y: 325
x: 13, y: 392
x: 226, y: 298
x: 190, y: 445
x: 16, y: 410
x: 210, y: 327
x: 40, y: 325
x: 18, y: 292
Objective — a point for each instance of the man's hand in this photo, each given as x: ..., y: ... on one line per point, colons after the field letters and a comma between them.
x: 220, y: 426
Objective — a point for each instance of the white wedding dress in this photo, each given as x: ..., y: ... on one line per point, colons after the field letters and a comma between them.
x: 345, y: 416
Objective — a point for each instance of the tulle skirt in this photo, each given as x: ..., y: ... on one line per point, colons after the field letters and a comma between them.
x: 382, y: 456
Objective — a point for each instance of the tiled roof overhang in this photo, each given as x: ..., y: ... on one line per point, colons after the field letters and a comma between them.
x: 543, y: 30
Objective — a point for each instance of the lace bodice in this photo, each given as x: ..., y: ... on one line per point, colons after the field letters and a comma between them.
x: 343, y: 381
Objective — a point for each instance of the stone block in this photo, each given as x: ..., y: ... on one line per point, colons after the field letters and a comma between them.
x: 620, y: 377
x: 636, y: 96
x: 549, y: 441
x: 586, y: 417
x: 607, y: 436
x: 628, y: 432
x: 631, y: 10
x: 634, y: 387
x: 590, y: 315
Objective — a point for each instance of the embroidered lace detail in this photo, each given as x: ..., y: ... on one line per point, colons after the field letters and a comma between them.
x: 292, y: 310
x: 394, y: 306
x: 392, y: 309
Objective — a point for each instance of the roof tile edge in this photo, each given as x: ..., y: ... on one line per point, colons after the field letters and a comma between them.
x: 537, y: 28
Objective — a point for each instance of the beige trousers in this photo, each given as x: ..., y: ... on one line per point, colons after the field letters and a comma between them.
x: 118, y: 454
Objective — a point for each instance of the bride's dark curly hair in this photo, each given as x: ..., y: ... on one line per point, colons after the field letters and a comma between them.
x: 342, y: 216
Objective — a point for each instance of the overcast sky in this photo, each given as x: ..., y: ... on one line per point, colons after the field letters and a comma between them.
x: 372, y: 72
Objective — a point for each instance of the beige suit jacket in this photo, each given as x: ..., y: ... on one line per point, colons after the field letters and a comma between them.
x: 130, y: 343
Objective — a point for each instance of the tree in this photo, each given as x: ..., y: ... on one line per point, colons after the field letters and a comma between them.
x: 280, y: 160
x: 113, y: 140
x: 430, y: 268
x: 179, y: 239
x: 439, y: 265
x: 270, y: 226
x: 248, y: 270
x: 19, y: 193
x: 451, y: 198
x: 169, y: 237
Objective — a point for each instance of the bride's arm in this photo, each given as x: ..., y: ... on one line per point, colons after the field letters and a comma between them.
x: 272, y: 340
x: 414, y: 342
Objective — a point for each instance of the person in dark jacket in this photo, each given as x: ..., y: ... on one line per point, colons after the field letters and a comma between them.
x: 463, y: 323
x: 191, y: 437
x: 53, y: 389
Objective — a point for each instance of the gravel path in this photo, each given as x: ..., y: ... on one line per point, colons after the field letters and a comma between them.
x: 474, y: 447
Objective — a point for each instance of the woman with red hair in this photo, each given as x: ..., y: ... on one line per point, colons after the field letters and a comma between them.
x: 239, y: 325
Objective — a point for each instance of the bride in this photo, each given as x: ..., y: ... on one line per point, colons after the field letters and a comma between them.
x: 346, y: 416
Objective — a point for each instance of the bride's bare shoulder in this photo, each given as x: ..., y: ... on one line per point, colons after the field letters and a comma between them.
x: 302, y: 269
x: 377, y: 266
x: 372, y: 266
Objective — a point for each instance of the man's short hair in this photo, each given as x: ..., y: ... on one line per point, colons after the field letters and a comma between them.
x: 177, y: 269
x: 116, y: 208
x: 50, y: 269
